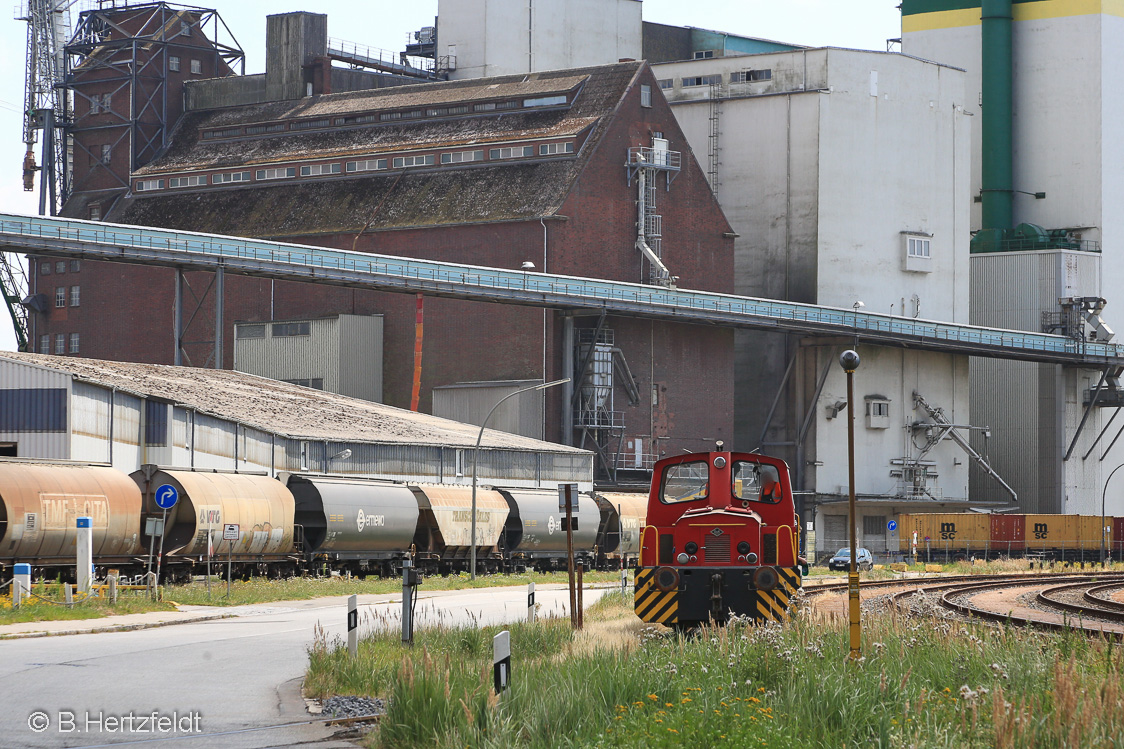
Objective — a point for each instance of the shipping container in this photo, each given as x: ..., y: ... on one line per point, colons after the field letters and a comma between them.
x: 1117, y: 539
x: 945, y: 533
x: 1007, y: 534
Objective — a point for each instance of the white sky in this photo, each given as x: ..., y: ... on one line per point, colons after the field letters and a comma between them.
x: 861, y: 24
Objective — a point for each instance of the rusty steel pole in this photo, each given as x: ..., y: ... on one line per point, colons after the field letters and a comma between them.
x: 849, y: 360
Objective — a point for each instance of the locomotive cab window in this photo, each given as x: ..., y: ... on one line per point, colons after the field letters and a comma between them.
x: 756, y: 482
x: 685, y: 482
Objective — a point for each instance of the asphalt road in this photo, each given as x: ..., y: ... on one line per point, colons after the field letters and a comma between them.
x: 223, y: 683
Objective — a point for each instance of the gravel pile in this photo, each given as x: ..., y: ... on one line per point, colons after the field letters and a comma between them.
x: 352, y: 707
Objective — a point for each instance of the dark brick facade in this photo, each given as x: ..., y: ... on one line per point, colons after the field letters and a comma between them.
x: 684, y: 373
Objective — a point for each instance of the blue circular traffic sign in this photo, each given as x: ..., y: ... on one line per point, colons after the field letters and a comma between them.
x: 166, y: 497
x: 892, y: 525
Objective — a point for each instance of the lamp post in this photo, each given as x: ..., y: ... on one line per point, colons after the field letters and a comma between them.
x: 1104, y: 494
x: 476, y: 453
x: 849, y: 360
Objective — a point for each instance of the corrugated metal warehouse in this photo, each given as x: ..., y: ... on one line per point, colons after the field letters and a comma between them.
x: 129, y: 415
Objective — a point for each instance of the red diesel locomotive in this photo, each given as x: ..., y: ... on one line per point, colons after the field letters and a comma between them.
x: 722, y: 538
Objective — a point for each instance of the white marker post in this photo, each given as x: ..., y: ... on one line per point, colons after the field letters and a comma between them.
x: 85, y: 547
x: 407, y: 603
x: 530, y: 603
x: 501, y: 660
x: 353, y: 625
x: 21, y: 584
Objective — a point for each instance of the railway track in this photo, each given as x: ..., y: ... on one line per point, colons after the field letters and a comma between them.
x: 1059, y: 601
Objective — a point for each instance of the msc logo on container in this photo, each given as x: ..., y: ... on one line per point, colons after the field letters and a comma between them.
x: 1041, y: 531
x: 370, y: 521
x: 948, y: 531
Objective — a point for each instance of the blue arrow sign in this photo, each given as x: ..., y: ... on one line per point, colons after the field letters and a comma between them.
x: 892, y: 525
x: 166, y: 497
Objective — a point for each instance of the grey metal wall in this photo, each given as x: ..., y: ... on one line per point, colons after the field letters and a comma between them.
x: 469, y: 402
x: 344, y: 352
x: 1023, y: 403
x: 20, y: 381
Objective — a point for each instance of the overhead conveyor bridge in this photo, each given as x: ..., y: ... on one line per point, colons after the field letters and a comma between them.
x: 96, y: 240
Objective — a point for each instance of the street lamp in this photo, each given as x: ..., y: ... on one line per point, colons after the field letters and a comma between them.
x: 1104, y: 493
x: 476, y: 453
x: 849, y: 360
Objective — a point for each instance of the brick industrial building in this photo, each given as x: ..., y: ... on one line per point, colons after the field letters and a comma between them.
x: 580, y: 172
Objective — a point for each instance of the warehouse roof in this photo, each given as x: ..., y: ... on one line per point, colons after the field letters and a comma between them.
x: 446, y: 193
x: 281, y: 408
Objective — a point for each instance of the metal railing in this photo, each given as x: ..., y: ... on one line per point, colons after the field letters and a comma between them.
x: 167, y: 247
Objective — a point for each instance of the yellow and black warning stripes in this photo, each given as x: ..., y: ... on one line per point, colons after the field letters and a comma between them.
x: 772, y: 605
x: 653, y: 605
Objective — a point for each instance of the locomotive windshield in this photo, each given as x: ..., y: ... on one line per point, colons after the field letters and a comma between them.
x: 756, y: 482
x: 685, y: 482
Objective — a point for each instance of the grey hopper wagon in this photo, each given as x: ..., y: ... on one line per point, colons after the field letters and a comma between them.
x: 354, y: 518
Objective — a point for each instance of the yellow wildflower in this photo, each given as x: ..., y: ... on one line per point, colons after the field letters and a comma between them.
x: 653, y: 697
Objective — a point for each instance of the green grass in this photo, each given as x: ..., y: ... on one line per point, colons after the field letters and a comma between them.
x: 48, y: 604
x: 266, y: 590
x: 921, y: 683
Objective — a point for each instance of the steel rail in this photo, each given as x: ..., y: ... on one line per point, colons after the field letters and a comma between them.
x: 1112, y: 610
x: 95, y: 240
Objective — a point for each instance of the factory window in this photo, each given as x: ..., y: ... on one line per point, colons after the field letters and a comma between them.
x: 514, y: 104
x: 645, y: 95
x: 318, y: 169
x: 666, y: 83
x: 445, y: 111
x: 511, y: 153
x: 702, y: 80
x: 60, y: 266
x: 874, y: 525
x: 106, y: 153
x: 488, y: 106
x: 95, y: 104
x: 359, y: 120
x: 745, y: 76
x: 309, y: 124
x: 74, y: 296
x: 545, y: 101
x: 94, y: 212
x: 250, y: 331
x: 45, y: 269
x: 877, y: 412
x: 420, y: 160
x: 230, y: 132
x: 279, y: 173
x: 918, y: 247
x: 704, y: 54
x: 155, y: 423
x: 460, y: 157
x: 918, y: 252
x: 60, y: 344
x: 370, y: 165
x: 259, y: 129
x: 313, y: 382
x: 290, y: 329
x: 196, y: 67
x: 219, y: 179
x: 185, y: 28
x: 194, y: 180
x: 44, y: 344
x: 150, y: 184
x: 173, y: 63
x: 75, y: 266
x: 390, y: 116
x: 412, y: 114
x: 550, y: 149
x: 74, y: 343
x: 106, y: 102
x: 60, y: 297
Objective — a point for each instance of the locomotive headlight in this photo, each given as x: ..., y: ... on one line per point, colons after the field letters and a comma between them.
x: 691, y: 547
x: 682, y: 558
x: 751, y: 558
x: 743, y: 547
